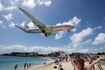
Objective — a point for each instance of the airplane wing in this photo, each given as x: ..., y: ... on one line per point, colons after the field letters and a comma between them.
x: 34, y: 20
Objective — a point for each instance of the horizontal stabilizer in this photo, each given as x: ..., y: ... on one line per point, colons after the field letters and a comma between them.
x: 21, y: 28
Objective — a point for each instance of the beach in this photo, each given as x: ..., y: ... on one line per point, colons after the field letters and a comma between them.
x: 65, y: 66
x: 9, y: 62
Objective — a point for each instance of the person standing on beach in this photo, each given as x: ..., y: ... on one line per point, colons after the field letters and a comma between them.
x: 45, y: 62
x: 15, y: 67
x: 60, y: 64
x: 74, y: 60
x: 99, y: 64
x: 29, y: 65
x: 80, y: 63
x: 89, y: 58
x: 25, y: 66
x: 66, y: 58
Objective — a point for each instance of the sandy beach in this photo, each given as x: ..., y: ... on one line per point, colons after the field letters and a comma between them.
x: 65, y: 66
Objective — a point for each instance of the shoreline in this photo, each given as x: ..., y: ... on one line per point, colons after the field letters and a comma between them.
x: 49, y: 61
x: 35, y: 67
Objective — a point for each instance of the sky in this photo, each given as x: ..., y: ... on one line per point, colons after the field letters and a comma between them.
x: 87, y: 16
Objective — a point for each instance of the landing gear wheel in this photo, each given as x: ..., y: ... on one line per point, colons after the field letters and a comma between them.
x: 46, y: 35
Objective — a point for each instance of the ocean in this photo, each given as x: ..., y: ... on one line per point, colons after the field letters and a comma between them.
x: 8, y: 62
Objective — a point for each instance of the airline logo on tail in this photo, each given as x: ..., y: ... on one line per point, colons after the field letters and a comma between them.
x: 26, y: 26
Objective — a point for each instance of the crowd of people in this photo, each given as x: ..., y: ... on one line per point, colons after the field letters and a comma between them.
x: 79, y: 62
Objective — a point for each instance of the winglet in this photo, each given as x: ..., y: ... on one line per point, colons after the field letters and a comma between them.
x: 18, y: 6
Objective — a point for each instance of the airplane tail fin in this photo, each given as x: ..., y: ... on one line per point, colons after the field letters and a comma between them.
x: 26, y: 26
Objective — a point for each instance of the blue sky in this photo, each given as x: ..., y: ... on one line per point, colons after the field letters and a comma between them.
x: 88, y: 17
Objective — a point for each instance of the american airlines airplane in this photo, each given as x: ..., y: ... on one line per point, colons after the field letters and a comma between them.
x: 46, y: 30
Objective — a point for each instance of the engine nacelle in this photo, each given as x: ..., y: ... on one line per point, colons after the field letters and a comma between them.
x: 48, y: 29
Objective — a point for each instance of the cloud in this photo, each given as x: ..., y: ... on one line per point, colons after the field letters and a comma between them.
x: 29, y: 3
x: 86, y: 50
x: 39, y: 49
x: 89, y: 41
x: 59, y: 35
x: 96, y: 50
x: 74, y: 22
x: 47, y: 3
x: 101, y: 48
x: 98, y: 27
x: 14, y: 48
x: 77, y: 38
x: 30, y: 24
x: 12, y: 24
x: 1, y: 24
x: 32, y: 3
x: 10, y: 8
x: 46, y: 49
x: 44, y: 2
x: 12, y: 2
x: 8, y: 17
x: 1, y: 6
x: 20, y: 48
x: 100, y: 39
x: 104, y: 18
x: 22, y: 24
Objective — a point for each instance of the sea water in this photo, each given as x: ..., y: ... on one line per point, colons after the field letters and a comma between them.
x: 8, y: 62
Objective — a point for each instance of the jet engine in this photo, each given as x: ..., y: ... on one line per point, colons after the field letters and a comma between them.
x: 47, y: 30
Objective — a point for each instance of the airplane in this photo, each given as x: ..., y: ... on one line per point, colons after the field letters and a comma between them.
x: 42, y: 28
